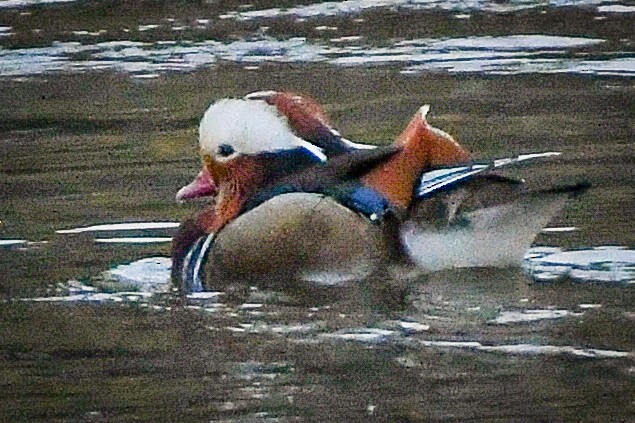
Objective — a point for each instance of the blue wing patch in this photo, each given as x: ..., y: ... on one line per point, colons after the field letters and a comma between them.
x: 368, y: 202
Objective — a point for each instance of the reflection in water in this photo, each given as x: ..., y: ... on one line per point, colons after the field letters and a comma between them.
x: 127, y: 226
x: 145, y: 283
x: 132, y: 240
x: 11, y: 242
x: 348, y: 7
x: 485, y: 54
x: 601, y: 264
x: 149, y: 274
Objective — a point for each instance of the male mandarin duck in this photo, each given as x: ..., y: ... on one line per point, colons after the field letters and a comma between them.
x: 296, y: 202
x: 249, y: 156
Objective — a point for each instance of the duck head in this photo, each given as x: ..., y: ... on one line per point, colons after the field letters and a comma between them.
x: 243, y: 145
x: 231, y: 126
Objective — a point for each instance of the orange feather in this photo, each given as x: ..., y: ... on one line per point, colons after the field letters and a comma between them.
x: 238, y: 179
x: 423, y: 147
x: 304, y: 114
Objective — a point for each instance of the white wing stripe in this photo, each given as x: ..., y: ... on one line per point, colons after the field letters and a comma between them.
x: 314, y: 149
x: 439, y: 178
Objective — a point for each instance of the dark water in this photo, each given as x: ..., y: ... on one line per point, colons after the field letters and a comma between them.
x: 100, y: 102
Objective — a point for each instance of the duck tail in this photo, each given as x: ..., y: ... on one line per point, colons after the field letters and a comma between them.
x: 497, y: 235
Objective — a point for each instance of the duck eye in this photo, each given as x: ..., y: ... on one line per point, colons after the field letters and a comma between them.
x: 225, y: 150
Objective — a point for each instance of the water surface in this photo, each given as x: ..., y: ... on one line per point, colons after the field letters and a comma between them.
x: 100, y: 107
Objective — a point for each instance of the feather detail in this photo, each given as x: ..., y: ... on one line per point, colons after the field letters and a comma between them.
x: 307, y: 119
x: 422, y: 147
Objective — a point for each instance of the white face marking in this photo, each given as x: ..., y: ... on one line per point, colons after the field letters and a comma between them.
x: 248, y: 126
x: 225, y: 159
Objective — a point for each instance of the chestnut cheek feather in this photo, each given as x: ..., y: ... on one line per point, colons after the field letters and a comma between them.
x: 218, y: 171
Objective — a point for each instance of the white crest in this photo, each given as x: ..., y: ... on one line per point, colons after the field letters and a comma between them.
x: 248, y: 126
x: 259, y: 95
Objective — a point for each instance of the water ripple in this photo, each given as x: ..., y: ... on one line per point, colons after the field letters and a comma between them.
x: 349, y: 7
x: 485, y: 54
x: 600, y: 264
